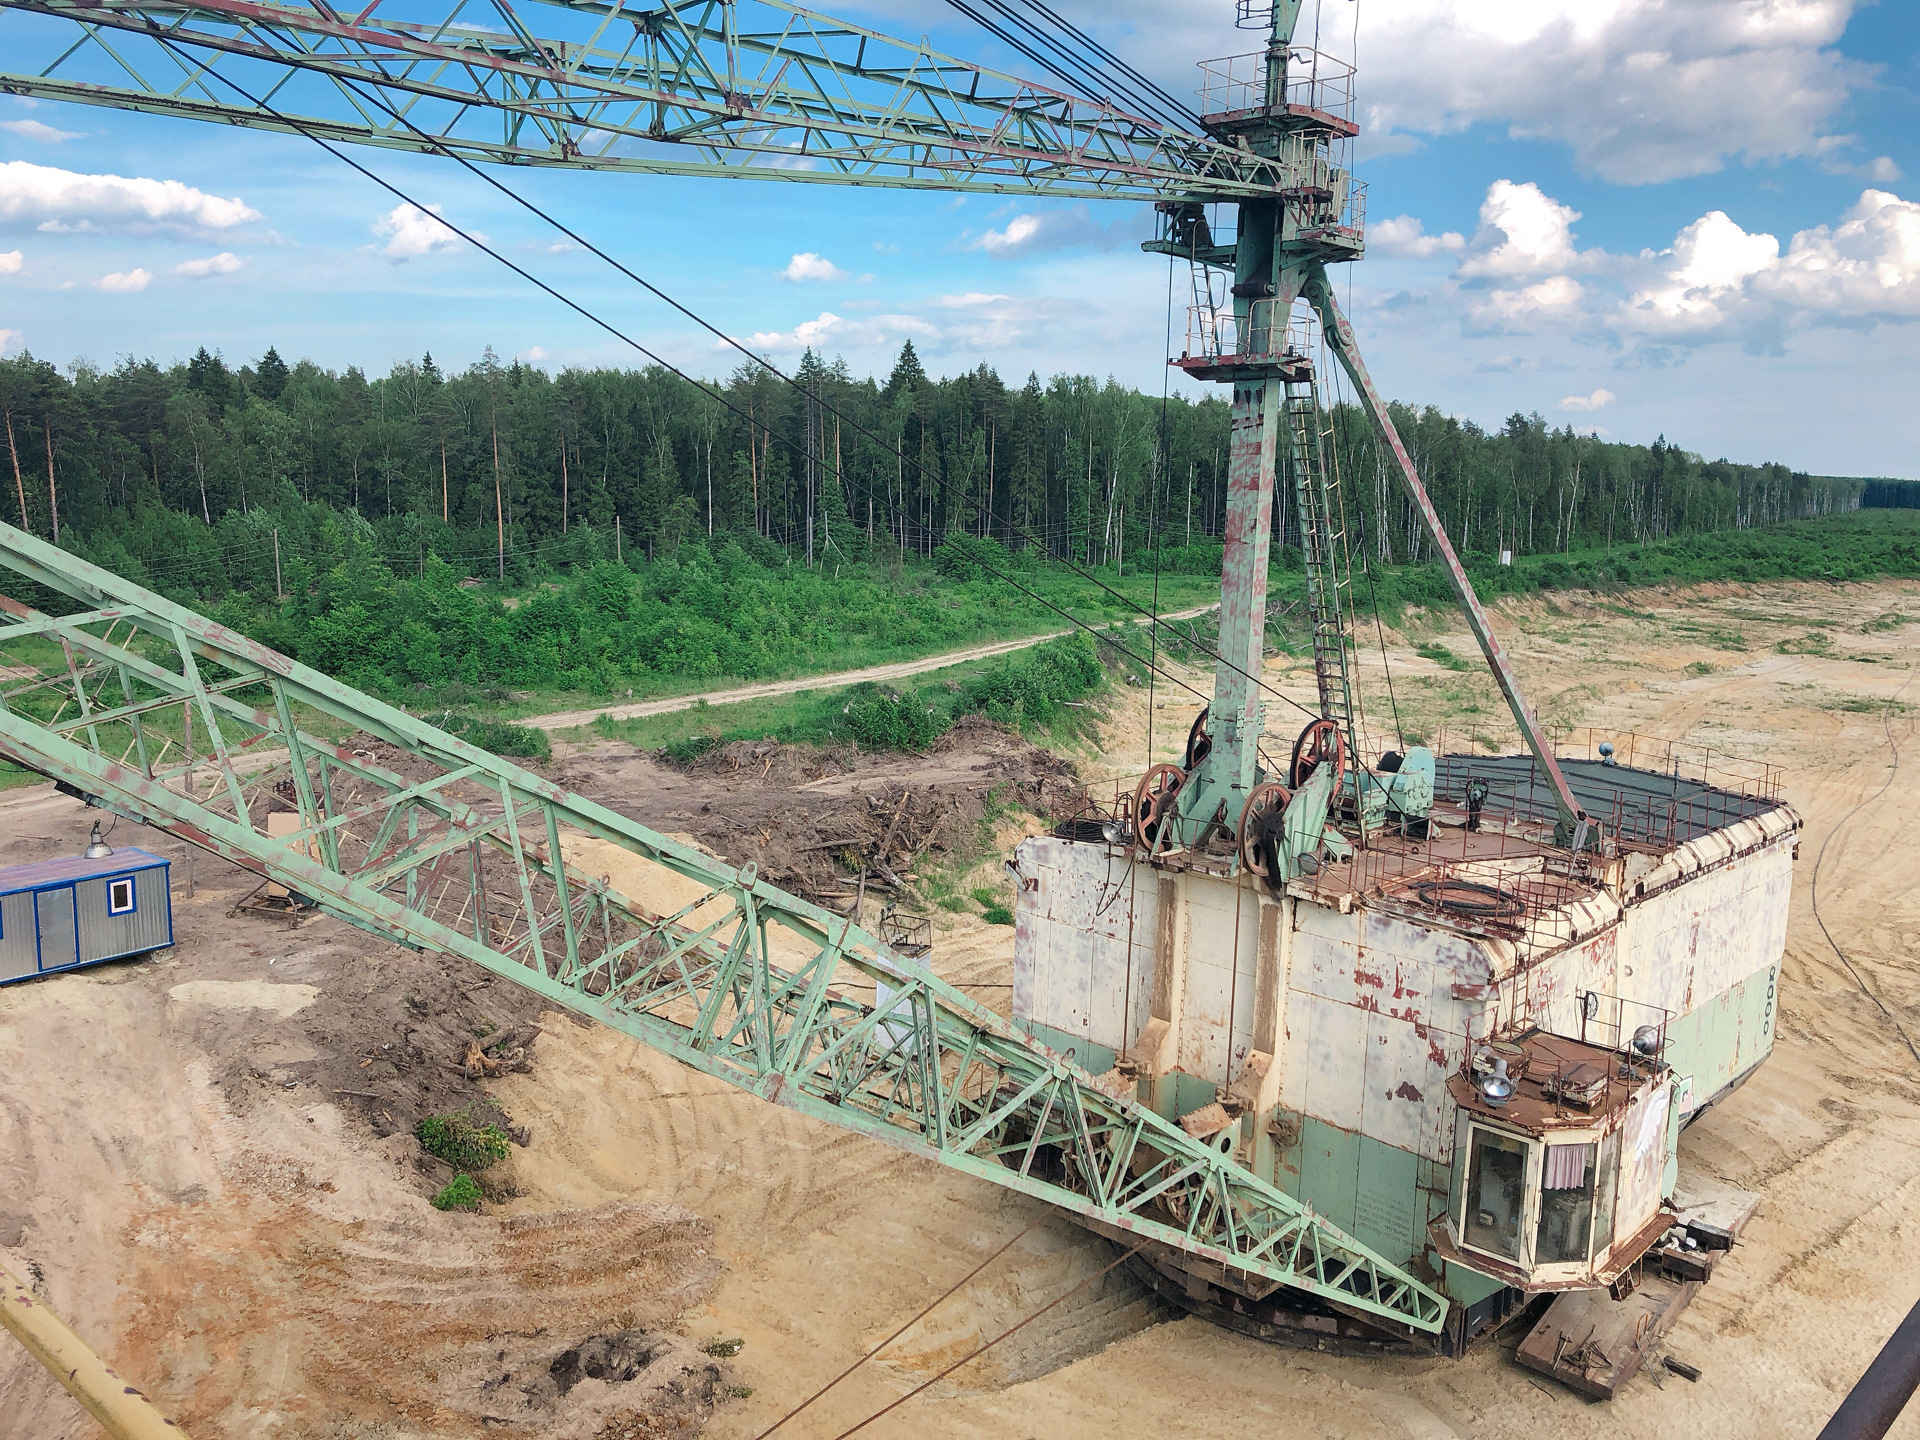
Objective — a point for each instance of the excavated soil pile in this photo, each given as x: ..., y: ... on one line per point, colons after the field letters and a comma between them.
x: 815, y: 819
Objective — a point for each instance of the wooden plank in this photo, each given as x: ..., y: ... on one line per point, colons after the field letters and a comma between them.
x: 1593, y: 1343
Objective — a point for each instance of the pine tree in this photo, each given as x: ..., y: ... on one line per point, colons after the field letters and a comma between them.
x: 270, y: 375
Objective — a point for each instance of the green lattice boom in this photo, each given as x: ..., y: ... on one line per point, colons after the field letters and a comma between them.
x: 432, y: 843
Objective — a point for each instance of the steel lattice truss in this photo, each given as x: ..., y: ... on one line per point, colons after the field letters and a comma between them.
x: 430, y: 842
x: 684, y: 87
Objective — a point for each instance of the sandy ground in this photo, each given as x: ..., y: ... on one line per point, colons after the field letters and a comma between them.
x: 899, y: 670
x: 189, y: 1234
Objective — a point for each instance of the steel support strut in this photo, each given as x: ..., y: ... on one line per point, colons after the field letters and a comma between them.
x: 1339, y: 333
x: 743, y: 982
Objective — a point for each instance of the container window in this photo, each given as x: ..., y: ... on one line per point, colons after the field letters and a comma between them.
x: 1603, y: 1195
x: 1566, y: 1205
x: 120, y: 896
x: 1496, y: 1194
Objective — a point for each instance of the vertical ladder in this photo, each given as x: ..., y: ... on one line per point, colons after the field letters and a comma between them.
x: 1323, y: 543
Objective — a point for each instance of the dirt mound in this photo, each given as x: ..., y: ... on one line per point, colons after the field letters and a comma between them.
x: 815, y: 819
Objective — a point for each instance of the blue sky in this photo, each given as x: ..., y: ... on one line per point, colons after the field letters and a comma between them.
x: 1635, y: 216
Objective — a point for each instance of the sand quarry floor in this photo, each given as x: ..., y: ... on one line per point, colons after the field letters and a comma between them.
x: 205, y: 1161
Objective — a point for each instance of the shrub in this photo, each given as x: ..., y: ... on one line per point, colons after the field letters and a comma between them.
x: 460, y: 1194
x: 522, y: 741
x: 462, y: 1144
x: 998, y: 915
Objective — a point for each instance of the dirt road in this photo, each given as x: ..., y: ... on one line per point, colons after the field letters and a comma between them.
x: 573, y: 719
x: 268, y: 1268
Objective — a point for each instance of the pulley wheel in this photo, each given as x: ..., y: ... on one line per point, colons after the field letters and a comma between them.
x: 1267, y: 799
x: 1321, y: 742
x: 1199, y: 741
x: 1153, y: 800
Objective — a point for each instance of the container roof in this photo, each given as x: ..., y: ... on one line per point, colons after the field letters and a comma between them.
x: 77, y: 867
x: 1642, y: 806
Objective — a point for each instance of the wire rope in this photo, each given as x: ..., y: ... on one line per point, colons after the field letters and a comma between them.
x: 624, y: 338
x: 852, y: 423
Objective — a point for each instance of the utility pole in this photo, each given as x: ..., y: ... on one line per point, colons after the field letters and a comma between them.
x: 19, y: 485
x: 279, y: 590
x: 563, y: 484
x: 499, y: 514
x: 443, y: 482
x: 53, y: 498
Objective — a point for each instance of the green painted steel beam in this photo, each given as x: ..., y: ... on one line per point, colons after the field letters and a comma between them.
x: 686, y: 88
x: 467, y: 854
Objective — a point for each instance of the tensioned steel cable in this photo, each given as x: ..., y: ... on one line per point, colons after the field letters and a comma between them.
x: 625, y: 339
x: 1178, y: 106
x: 1130, y: 87
x: 852, y: 423
x: 928, y: 1310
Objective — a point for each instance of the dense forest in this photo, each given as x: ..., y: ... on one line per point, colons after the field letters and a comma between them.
x: 507, y: 471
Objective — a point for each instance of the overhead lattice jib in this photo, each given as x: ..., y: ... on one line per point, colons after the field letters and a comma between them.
x: 761, y: 89
x: 157, y: 713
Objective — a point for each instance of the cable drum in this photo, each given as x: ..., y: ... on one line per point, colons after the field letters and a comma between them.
x: 1470, y: 898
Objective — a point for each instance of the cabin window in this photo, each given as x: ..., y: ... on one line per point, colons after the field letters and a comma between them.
x: 1603, y: 1194
x: 1566, y: 1205
x: 1496, y: 1194
x: 120, y: 897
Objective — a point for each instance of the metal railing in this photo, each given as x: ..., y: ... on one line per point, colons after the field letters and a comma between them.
x: 1215, y: 332
x: 1314, y: 80
x: 1682, y: 759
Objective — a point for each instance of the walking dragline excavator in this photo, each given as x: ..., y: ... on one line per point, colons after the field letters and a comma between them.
x: 1373, y: 1062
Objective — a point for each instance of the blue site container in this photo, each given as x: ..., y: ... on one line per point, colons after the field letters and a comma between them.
x: 60, y: 914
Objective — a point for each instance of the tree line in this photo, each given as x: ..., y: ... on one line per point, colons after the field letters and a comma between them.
x: 506, y: 471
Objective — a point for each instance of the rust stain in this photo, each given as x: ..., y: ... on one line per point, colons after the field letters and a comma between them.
x: 1437, y: 1055
x: 1363, y: 977
x: 1407, y: 1091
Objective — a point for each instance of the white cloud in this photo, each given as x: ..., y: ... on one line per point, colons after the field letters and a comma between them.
x: 225, y: 263
x: 62, y: 200
x: 1020, y: 232
x: 34, y: 130
x: 130, y: 282
x: 11, y: 262
x: 1031, y: 232
x: 1405, y: 237
x: 836, y: 334
x: 1640, y: 90
x: 8, y: 339
x: 1598, y: 400
x: 809, y: 266
x: 411, y: 232
x: 1522, y: 233
x: 534, y: 354
x: 1525, y: 272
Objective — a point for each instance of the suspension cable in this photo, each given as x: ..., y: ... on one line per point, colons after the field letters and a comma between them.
x: 624, y: 338
x: 852, y: 423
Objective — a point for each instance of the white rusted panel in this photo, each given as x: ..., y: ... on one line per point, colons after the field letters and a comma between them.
x: 1326, y: 946
x: 1592, y: 965
x: 1643, y: 1160
x: 1404, y: 1086
x: 1697, y: 940
x: 1083, y: 946
x: 1222, y: 921
x: 1333, y: 1060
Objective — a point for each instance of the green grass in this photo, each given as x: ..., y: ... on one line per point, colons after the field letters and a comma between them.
x: 1440, y: 655
x: 460, y: 1193
x: 1044, y: 690
x: 462, y: 1144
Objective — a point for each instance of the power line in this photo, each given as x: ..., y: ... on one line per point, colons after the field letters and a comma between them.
x: 626, y: 339
x: 853, y: 423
